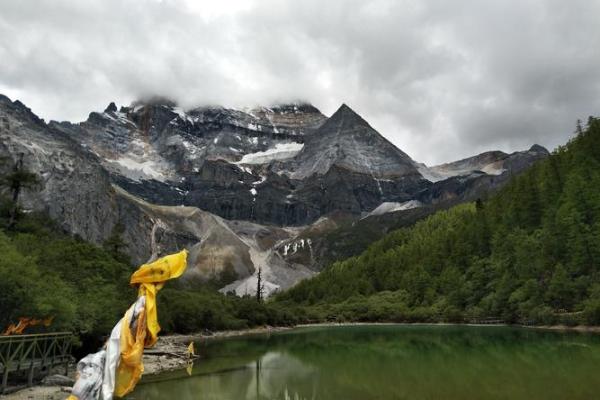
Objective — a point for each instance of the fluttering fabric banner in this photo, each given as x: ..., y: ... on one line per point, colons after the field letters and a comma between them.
x: 116, y: 369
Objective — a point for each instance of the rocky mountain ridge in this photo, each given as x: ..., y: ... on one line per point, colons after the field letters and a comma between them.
x: 241, y: 189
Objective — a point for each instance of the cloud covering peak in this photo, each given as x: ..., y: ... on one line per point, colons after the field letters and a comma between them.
x: 441, y: 80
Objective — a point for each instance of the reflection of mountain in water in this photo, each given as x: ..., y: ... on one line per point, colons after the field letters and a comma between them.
x: 277, y: 375
x: 390, y: 362
x: 269, y: 188
x: 272, y: 375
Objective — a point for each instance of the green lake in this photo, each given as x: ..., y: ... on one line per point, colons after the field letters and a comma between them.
x: 367, y: 362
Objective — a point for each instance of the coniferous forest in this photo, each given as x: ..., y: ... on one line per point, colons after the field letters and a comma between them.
x: 529, y: 254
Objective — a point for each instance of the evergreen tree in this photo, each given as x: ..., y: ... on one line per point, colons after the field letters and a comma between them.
x: 259, y: 286
x: 115, y: 245
x: 17, y: 180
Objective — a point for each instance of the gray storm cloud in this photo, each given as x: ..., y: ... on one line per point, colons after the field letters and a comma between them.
x: 440, y: 79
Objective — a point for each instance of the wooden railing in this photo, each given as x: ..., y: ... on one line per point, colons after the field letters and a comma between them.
x: 41, y: 352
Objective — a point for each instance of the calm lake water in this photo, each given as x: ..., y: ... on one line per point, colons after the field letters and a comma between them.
x: 390, y: 362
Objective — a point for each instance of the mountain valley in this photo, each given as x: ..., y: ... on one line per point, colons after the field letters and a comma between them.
x: 283, y: 188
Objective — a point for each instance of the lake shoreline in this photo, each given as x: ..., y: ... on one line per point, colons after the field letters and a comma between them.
x: 171, y: 351
x: 179, y: 338
x: 179, y: 343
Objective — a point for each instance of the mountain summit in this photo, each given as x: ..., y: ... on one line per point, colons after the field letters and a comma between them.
x: 345, y: 118
x: 241, y: 189
x: 347, y: 141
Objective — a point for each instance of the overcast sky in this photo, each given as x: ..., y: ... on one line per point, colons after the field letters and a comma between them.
x: 440, y: 79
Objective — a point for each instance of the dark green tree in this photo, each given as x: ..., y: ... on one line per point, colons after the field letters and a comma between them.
x: 259, y: 286
x: 115, y: 245
x: 17, y: 180
x: 561, y: 289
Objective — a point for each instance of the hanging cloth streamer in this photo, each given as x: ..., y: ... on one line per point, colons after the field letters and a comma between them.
x: 116, y: 370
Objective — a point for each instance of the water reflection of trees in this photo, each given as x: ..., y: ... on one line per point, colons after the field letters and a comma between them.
x: 390, y: 362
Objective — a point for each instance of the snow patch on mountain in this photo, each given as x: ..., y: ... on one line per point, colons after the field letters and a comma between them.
x: 493, y: 169
x: 138, y: 170
x: 293, y: 247
x: 429, y: 173
x: 388, y: 207
x: 445, y: 171
x: 118, y: 117
x: 281, y: 151
x: 245, y: 169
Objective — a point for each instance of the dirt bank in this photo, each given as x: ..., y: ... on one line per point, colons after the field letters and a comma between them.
x: 169, y: 353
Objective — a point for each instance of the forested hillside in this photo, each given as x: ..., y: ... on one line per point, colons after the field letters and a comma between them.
x: 529, y: 254
x: 85, y: 289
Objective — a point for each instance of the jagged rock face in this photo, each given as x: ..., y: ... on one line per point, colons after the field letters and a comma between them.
x: 472, y: 177
x: 292, y: 120
x: 229, y: 252
x: 241, y: 189
x: 214, y: 158
x: 491, y: 163
x: 74, y: 188
x: 163, y: 142
x: 281, y: 165
x: 521, y: 160
x: 77, y: 192
x: 349, y: 142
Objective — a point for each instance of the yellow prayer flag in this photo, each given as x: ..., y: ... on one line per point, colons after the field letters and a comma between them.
x: 165, y: 268
x: 191, y: 351
x: 151, y: 278
x: 139, y: 329
x: 190, y: 368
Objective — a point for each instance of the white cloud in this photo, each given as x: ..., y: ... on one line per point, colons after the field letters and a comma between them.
x: 440, y: 79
